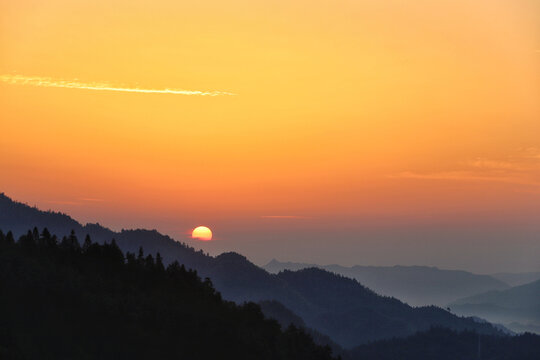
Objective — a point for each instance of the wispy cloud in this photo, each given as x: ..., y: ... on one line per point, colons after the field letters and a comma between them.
x: 520, y: 167
x: 284, y: 217
x: 465, y: 176
x: 76, y: 84
x: 61, y: 202
x: 92, y: 199
x: 78, y: 201
x: 498, y: 165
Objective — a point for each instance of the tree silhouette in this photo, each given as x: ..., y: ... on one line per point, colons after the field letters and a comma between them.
x: 68, y: 302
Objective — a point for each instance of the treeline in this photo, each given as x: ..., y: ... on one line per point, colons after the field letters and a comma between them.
x: 445, y: 344
x: 60, y: 299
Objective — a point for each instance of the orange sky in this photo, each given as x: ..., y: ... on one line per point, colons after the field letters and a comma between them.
x: 346, y: 114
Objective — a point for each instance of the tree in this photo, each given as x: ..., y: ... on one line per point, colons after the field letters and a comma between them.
x: 9, y: 238
x: 27, y: 241
x: 159, y: 262
x: 87, y: 243
x: 71, y: 242
x: 140, y: 257
x: 149, y: 261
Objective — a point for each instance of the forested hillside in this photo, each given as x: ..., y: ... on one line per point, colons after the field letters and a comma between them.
x: 63, y: 300
x: 444, y: 344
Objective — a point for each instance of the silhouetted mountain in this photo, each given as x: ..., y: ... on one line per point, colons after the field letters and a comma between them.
x: 63, y: 301
x: 444, y: 344
x: 518, y: 308
x: 415, y: 285
x: 18, y: 218
x: 516, y: 279
x: 275, y: 310
x: 328, y: 303
x: 351, y: 313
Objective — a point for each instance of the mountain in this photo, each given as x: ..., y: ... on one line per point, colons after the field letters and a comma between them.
x: 275, y: 310
x: 352, y: 314
x: 444, y: 344
x: 518, y: 308
x: 64, y: 301
x: 516, y: 279
x: 331, y: 304
x: 415, y: 285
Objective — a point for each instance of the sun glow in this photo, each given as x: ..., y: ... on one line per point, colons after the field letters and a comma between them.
x: 202, y: 233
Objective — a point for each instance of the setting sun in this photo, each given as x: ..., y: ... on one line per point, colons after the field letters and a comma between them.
x: 202, y: 233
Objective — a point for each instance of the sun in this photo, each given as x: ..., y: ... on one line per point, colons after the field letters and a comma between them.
x: 202, y: 233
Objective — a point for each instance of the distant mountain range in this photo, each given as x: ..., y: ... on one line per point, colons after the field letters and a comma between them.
x: 331, y: 304
x: 518, y: 307
x: 415, y: 285
x: 516, y: 279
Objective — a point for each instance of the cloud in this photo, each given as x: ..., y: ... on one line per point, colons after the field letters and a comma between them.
x: 283, y: 217
x: 496, y: 165
x: 520, y: 167
x: 531, y: 152
x: 75, y: 84
x: 466, y: 176
x: 61, y: 202
x: 91, y: 199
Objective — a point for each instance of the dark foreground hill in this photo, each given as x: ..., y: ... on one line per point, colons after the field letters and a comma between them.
x: 444, y: 344
x: 415, y: 285
x: 331, y: 304
x: 64, y: 301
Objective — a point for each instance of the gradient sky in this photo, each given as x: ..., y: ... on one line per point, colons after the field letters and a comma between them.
x: 351, y: 132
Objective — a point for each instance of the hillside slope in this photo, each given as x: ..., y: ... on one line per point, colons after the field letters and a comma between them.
x: 64, y: 301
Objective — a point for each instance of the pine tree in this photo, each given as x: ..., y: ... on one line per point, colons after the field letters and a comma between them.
x: 9, y: 238
x: 87, y: 243
x: 35, y: 234
x: 73, y: 241
x: 45, y: 238
x: 149, y: 261
x: 140, y: 257
x: 159, y: 262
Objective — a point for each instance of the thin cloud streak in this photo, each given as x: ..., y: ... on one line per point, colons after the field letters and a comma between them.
x: 464, y: 176
x: 74, y: 84
x: 91, y: 199
x: 283, y: 217
x: 61, y: 202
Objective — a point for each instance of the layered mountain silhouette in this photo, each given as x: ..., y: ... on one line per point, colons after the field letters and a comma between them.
x: 518, y: 308
x: 516, y: 279
x: 277, y: 311
x: 331, y: 304
x: 415, y: 285
x: 61, y: 300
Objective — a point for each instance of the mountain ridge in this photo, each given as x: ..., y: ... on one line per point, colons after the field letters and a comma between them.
x: 518, y: 308
x: 363, y: 316
x: 415, y: 285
